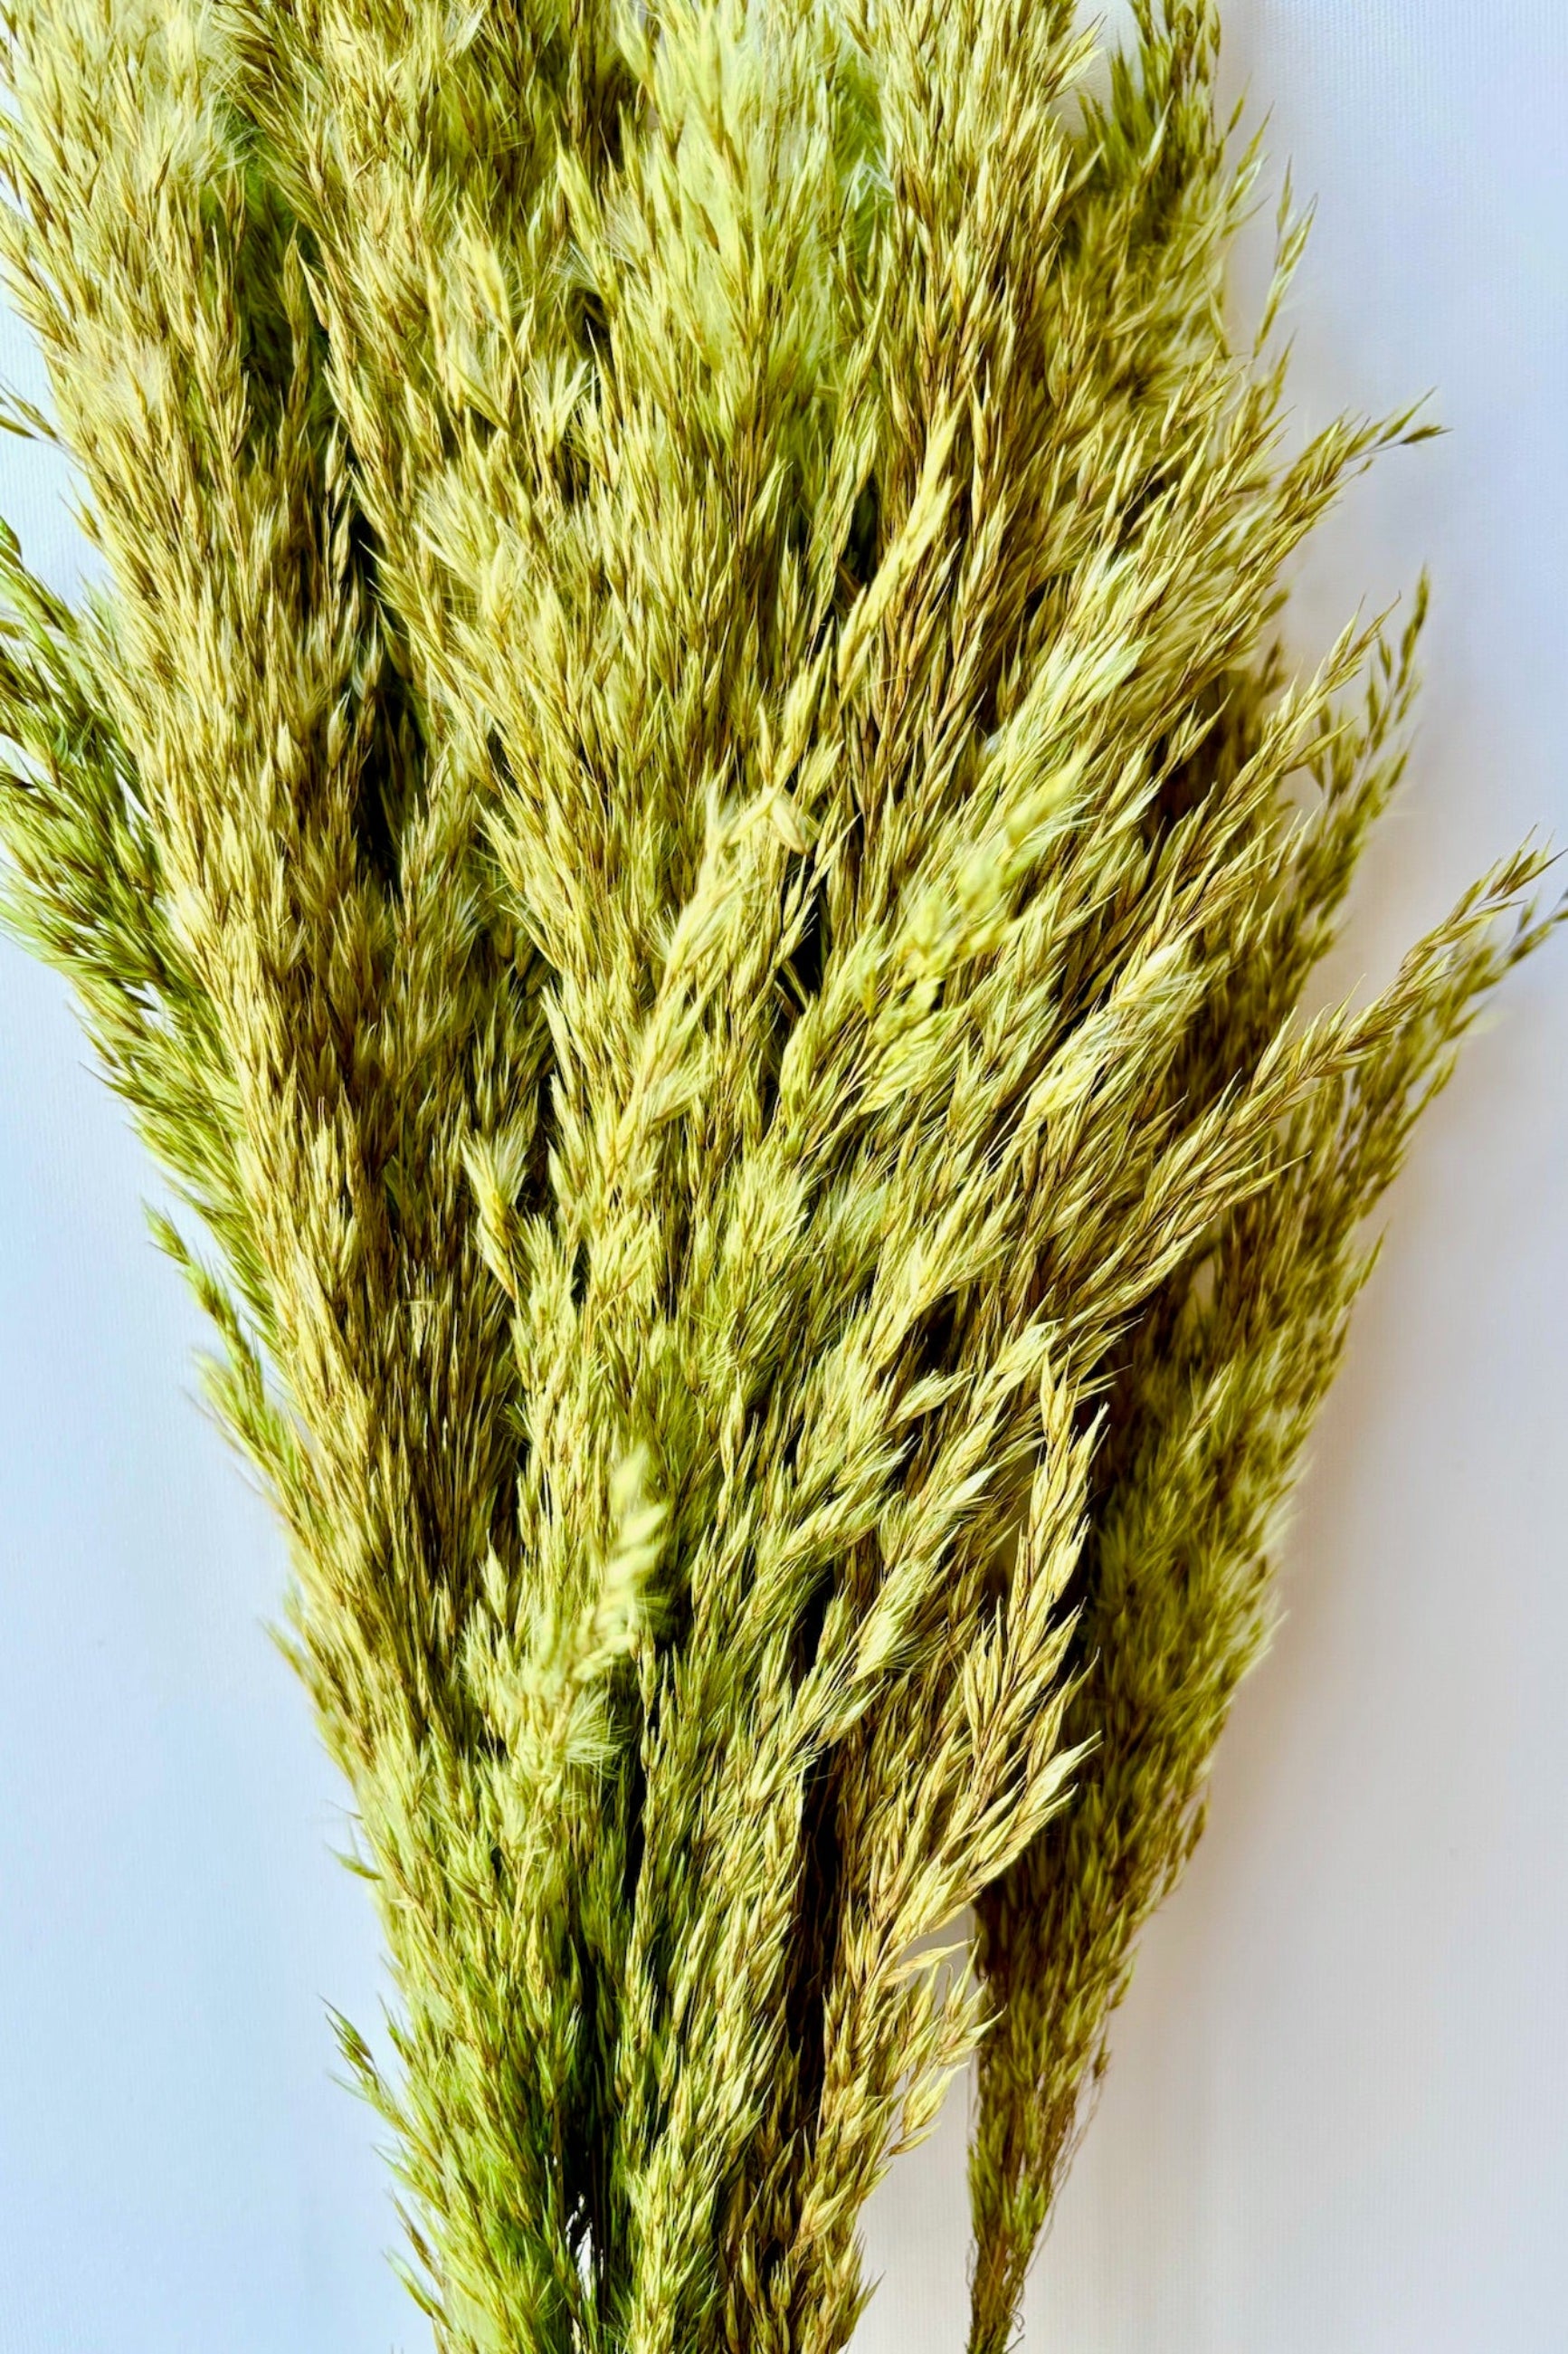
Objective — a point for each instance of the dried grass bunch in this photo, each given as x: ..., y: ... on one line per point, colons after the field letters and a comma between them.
x: 680, y: 818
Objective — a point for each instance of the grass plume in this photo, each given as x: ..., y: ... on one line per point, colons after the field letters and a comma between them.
x: 682, y: 818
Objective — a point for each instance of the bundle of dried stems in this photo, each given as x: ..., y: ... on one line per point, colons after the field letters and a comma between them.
x: 679, y: 815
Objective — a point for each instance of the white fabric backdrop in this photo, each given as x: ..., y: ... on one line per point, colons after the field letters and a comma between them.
x: 1335, y: 2123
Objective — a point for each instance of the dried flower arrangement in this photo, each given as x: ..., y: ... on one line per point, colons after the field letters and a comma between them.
x: 681, y: 817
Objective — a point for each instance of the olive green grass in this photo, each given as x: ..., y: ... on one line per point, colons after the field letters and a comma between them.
x: 681, y: 817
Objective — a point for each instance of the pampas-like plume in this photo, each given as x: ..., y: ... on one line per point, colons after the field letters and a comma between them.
x: 680, y: 820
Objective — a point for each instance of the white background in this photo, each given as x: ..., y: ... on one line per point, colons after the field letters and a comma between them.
x: 1337, y: 2122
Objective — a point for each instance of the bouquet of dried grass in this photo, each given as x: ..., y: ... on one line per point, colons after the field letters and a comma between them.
x: 680, y: 818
